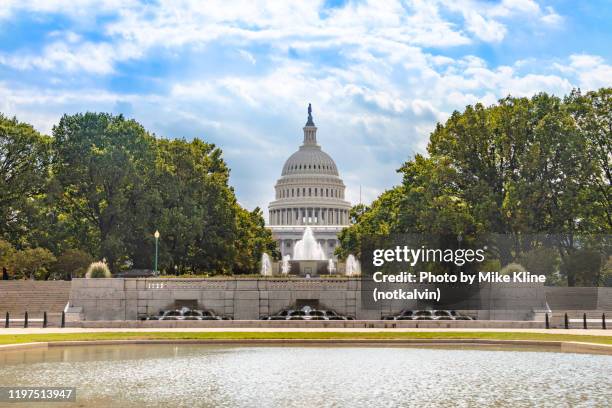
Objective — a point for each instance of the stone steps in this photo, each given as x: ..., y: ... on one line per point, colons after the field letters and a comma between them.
x: 35, y: 297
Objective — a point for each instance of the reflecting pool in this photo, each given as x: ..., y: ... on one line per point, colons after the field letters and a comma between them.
x: 335, y: 376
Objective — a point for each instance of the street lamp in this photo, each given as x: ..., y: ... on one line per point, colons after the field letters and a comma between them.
x: 156, y: 235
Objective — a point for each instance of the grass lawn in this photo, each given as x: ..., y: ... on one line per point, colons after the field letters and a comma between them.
x: 28, y: 338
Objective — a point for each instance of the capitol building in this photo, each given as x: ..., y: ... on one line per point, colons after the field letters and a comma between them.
x: 309, y: 193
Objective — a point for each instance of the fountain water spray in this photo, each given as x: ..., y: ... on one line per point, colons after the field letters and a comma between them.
x: 308, y: 249
x: 352, y: 266
x: 331, y: 268
x: 285, y: 265
x: 266, y: 265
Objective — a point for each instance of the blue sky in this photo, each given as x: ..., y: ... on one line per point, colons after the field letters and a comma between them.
x: 379, y: 74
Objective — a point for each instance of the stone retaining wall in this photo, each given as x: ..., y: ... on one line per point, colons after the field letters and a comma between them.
x: 249, y: 298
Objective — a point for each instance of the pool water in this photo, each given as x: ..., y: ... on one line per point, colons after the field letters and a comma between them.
x: 329, y: 376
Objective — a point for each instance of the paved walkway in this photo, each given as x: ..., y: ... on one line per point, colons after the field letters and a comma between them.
x: 34, y: 330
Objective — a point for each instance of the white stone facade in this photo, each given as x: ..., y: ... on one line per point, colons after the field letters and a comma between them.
x: 309, y: 192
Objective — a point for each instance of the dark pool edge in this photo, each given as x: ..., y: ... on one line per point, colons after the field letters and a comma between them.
x: 562, y: 346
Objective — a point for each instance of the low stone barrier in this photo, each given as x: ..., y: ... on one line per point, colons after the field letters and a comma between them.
x: 252, y: 298
x: 304, y: 324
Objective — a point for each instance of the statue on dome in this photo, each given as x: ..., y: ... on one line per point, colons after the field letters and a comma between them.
x: 309, y: 122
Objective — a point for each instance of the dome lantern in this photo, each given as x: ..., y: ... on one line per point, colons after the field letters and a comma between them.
x: 310, y: 130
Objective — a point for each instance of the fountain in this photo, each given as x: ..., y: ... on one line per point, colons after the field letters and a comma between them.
x: 285, y: 265
x: 306, y: 313
x: 331, y: 268
x: 266, y: 265
x: 185, y: 313
x: 352, y: 266
x: 408, y: 314
x: 308, y: 249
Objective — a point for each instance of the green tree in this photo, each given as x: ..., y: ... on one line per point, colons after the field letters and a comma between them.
x: 195, y: 208
x: 252, y: 241
x: 98, y: 166
x: 71, y: 263
x: 520, y: 167
x: 7, y: 251
x: 24, y: 166
x: 33, y: 263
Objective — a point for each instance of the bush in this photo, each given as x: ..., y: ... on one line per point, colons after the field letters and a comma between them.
x: 33, y: 263
x: 98, y: 270
x: 73, y: 263
x: 511, y: 268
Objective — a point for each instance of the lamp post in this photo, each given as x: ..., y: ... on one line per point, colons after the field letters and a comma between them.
x: 156, y: 235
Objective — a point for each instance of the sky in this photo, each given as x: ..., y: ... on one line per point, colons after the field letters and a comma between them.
x: 379, y: 74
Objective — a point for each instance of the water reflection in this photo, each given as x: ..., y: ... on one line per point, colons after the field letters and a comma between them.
x: 222, y: 376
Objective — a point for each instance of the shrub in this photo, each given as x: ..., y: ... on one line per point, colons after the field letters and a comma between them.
x: 98, y: 270
x: 33, y: 263
x: 73, y: 263
x: 511, y: 268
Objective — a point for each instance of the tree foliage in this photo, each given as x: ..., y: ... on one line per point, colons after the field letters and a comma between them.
x: 522, y: 167
x: 99, y: 188
x: 24, y: 160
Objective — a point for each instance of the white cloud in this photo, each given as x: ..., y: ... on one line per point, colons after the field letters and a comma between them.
x: 378, y: 74
x: 247, y: 56
x: 591, y: 71
x: 72, y: 56
x: 551, y: 17
x: 487, y: 30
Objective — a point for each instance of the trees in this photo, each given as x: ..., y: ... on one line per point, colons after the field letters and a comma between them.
x: 32, y: 263
x: 523, y: 168
x: 98, y: 167
x: 252, y: 241
x: 195, y: 208
x: 24, y: 163
x: 71, y: 263
x: 100, y: 186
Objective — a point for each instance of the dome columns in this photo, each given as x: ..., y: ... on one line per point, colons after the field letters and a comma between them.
x: 309, y: 215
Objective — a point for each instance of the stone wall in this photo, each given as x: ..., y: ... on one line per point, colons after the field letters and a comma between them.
x: 249, y: 298
x: 242, y: 299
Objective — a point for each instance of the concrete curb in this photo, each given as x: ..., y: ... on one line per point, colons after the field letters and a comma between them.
x: 561, y: 346
x: 279, y: 324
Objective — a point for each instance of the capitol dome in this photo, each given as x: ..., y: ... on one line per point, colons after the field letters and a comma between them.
x: 309, y: 193
x: 310, y: 160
